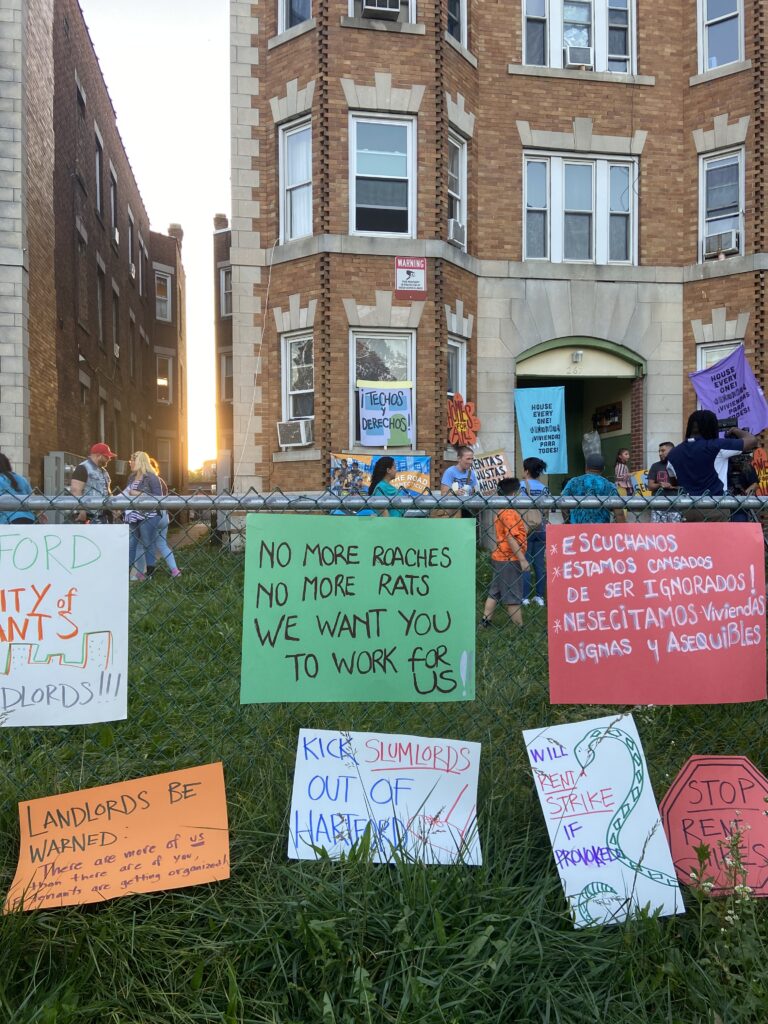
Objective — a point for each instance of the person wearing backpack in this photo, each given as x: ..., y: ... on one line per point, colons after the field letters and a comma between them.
x: 536, y: 524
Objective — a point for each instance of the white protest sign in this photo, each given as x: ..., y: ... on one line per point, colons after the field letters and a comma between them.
x: 386, y: 417
x: 63, y: 624
x: 416, y: 795
x: 603, y: 822
x: 490, y: 469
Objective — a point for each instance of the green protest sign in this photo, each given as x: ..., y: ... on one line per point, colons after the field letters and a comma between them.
x: 345, y: 609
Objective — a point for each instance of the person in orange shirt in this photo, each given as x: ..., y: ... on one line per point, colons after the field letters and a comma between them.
x: 508, y: 560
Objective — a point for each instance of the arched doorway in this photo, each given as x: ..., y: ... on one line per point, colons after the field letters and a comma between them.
x: 603, y: 384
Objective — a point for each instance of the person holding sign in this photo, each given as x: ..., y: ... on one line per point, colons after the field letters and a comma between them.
x: 508, y: 560
x: 381, y: 485
x: 592, y: 484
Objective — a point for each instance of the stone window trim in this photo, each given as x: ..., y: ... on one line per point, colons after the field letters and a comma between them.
x: 84, y: 378
x: 721, y: 72
x: 720, y: 329
x: 722, y: 135
x: 468, y: 56
x: 381, y: 97
x: 296, y: 317
x: 80, y: 89
x: 384, y: 314
x: 294, y: 103
x: 611, y: 77
x: 582, y: 139
x: 407, y: 28
x: 80, y: 228
x: 456, y: 323
x: 291, y: 33
x: 458, y: 116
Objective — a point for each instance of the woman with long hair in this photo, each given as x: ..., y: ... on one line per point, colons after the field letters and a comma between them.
x: 381, y: 485
x: 532, y: 487
x: 162, y: 547
x: 14, y: 483
x: 144, y: 525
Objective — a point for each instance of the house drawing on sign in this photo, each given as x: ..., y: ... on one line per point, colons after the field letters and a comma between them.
x: 95, y: 653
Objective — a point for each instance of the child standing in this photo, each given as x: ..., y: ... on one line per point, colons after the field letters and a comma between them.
x: 508, y: 560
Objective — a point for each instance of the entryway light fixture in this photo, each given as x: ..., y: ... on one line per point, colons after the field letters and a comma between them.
x: 577, y: 355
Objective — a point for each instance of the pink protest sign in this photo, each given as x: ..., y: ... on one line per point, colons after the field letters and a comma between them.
x: 646, y: 613
x: 712, y: 800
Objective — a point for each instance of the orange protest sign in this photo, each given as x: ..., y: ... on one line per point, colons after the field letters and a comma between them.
x: 160, y: 832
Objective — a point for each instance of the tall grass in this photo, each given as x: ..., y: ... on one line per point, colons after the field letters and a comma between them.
x: 350, y: 942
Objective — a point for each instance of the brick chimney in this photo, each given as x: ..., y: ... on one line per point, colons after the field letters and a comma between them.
x: 176, y: 231
x: 220, y: 222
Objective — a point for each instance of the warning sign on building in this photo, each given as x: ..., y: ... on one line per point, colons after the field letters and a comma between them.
x: 410, y: 277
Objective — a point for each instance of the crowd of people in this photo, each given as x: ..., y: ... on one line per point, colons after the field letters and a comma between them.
x: 148, y: 536
x: 709, y: 461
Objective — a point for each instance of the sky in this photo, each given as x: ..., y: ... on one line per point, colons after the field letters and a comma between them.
x: 166, y: 65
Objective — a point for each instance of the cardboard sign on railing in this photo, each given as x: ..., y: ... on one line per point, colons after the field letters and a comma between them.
x: 350, y: 608
x: 667, y: 613
x: 63, y: 624
x: 160, y: 832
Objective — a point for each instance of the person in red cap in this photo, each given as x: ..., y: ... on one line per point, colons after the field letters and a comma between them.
x: 91, y: 480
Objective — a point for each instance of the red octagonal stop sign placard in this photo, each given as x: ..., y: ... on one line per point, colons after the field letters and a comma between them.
x: 708, y: 796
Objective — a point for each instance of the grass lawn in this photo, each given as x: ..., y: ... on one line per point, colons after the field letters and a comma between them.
x: 336, y: 943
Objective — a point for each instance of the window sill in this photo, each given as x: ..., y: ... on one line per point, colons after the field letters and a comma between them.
x: 384, y: 26
x: 358, y: 450
x: 298, y: 455
x: 291, y: 33
x: 532, y: 71
x: 721, y: 72
x: 469, y: 57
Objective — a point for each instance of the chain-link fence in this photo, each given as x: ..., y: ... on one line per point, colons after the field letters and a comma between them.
x: 183, y: 703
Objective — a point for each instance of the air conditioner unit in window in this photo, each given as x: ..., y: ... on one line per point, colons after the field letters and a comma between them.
x: 457, y: 233
x: 132, y: 271
x: 577, y: 57
x: 295, y: 433
x: 116, y: 236
x: 389, y: 9
x: 726, y: 242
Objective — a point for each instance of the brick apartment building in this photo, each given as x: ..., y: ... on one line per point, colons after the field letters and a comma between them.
x: 586, y: 180
x: 78, y: 325
x: 222, y: 276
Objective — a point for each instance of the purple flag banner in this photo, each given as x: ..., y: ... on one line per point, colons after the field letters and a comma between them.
x: 729, y: 389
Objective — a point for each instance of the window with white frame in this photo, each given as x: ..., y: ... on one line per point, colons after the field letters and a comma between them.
x: 407, y: 10
x: 163, y: 295
x: 227, y: 376
x: 164, y: 380
x: 721, y: 33
x: 293, y: 12
x: 383, y: 176
x: 131, y: 244
x: 298, y: 377
x: 116, y: 324
x: 379, y: 356
x: 596, y: 35
x: 579, y: 210
x: 225, y: 291
x: 457, y: 367
x: 721, y: 218
x: 113, y: 203
x: 457, y: 21
x: 708, y: 355
x: 535, y: 33
x: 101, y: 282
x: 457, y: 181
x: 295, y: 181
x: 99, y: 175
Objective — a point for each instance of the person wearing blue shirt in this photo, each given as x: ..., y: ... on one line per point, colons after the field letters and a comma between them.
x: 532, y: 487
x: 462, y: 475
x: 592, y: 484
x: 16, y: 484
